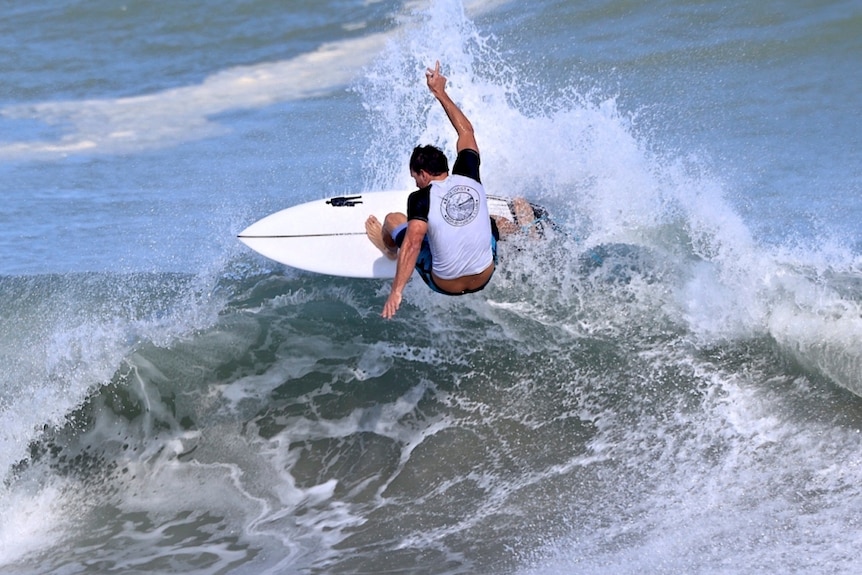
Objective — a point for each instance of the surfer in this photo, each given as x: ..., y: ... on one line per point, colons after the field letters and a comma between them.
x: 447, y: 234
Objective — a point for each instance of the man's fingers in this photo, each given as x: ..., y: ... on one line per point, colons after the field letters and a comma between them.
x: 435, y: 72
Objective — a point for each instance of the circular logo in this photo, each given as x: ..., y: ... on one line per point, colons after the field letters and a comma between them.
x: 460, y: 205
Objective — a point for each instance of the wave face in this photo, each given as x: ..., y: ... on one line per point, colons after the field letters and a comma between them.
x: 669, y: 382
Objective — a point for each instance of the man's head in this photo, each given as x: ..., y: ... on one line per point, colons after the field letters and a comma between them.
x: 429, y: 159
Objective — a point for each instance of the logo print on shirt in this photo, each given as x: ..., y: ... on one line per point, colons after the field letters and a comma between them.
x: 460, y: 205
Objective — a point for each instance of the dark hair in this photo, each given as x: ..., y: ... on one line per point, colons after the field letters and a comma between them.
x: 429, y: 158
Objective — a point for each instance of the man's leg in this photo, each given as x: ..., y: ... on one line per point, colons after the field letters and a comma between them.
x: 381, y: 234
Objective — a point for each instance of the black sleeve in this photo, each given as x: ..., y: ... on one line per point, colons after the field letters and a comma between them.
x: 418, y: 204
x: 467, y: 164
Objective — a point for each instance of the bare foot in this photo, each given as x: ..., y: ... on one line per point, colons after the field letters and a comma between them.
x: 374, y: 231
x: 525, y: 216
x: 505, y: 226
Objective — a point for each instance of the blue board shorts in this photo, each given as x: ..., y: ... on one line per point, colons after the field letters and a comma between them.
x: 424, y: 261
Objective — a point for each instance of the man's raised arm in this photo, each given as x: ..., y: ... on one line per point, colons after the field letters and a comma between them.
x: 437, y: 85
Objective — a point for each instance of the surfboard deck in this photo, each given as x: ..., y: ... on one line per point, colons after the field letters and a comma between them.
x: 328, y: 236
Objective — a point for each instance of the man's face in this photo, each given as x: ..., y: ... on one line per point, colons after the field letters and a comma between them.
x: 421, y: 178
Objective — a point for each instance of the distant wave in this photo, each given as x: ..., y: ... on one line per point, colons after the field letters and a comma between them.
x: 170, y: 117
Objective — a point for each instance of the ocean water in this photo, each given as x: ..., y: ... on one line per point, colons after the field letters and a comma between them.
x: 671, y: 382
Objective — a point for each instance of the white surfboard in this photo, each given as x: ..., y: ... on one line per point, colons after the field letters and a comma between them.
x: 328, y: 236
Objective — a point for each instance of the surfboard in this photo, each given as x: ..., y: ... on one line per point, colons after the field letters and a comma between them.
x: 327, y: 236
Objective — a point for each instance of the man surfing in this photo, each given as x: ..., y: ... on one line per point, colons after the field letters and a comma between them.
x: 447, y: 234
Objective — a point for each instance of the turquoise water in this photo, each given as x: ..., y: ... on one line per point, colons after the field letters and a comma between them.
x: 670, y: 384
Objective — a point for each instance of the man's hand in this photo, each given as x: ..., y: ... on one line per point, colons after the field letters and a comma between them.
x: 393, y: 302
x: 436, y: 80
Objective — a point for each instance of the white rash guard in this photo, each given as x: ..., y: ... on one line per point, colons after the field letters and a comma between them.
x: 459, y: 225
